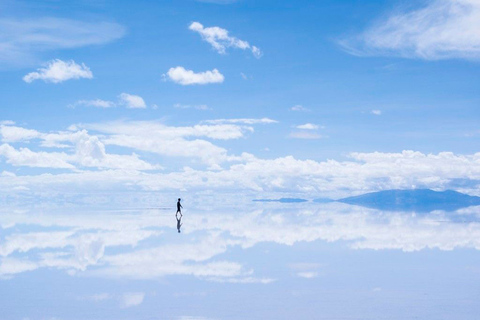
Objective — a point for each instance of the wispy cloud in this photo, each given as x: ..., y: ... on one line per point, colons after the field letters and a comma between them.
x: 57, y: 71
x: 127, y: 100
x: 440, y: 29
x: 306, y: 131
x: 221, y: 40
x: 306, y: 270
x: 308, y: 126
x: 186, y: 77
x: 299, y: 108
x: 188, y: 106
x: 97, y: 103
x: 22, y: 39
x: 376, y: 112
x: 132, y: 299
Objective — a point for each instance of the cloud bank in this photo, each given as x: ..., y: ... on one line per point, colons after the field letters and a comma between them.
x: 203, y: 162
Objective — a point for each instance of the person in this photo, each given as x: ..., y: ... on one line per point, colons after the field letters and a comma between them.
x: 179, y: 221
x: 179, y: 206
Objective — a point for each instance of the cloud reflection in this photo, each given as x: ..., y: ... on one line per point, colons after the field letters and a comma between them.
x: 144, y: 244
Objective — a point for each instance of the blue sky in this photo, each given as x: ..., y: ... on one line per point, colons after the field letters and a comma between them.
x: 111, y: 109
x: 301, y: 97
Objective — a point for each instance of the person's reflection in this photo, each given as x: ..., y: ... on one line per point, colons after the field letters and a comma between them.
x: 179, y: 221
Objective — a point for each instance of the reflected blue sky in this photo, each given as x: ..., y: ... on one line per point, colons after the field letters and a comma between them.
x: 261, y: 260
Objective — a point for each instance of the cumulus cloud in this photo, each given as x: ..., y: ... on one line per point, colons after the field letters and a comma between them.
x: 10, y: 133
x: 88, y: 151
x: 22, y: 39
x: 441, y: 29
x: 220, y: 40
x: 153, y: 136
x: 376, y: 112
x: 132, y: 101
x: 186, y: 77
x: 57, y: 71
x: 216, y: 168
x: 27, y: 157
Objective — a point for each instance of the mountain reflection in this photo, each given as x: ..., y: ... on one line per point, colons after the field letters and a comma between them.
x: 140, y: 244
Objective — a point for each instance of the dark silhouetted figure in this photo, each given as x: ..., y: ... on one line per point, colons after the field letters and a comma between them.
x: 179, y: 221
x: 179, y: 207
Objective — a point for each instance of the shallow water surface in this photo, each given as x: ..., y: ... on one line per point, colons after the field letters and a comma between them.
x: 257, y: 261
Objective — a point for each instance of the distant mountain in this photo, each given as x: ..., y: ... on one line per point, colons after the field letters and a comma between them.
x: 282, y: 200
x: 420, y: 200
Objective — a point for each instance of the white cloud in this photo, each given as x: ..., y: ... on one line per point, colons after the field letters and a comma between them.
x: 98, y: 103
x: 204, y: 147
x: 152, y: 136
x: 124, y: 99
x: 89, y: 151
x: 219, y: 39
x: 132, y: 299
x: 132, y: 101
x: 26, y: 157
x: 307, y: 275
x: 57, y: 71
x: 376, y: 112
x: 308, y: 126
x: 22, y: 39
x: 10, y: 133
x: 305, y: 135
x: 299, y: 108
x: 441, y: 29
x: 187, y: 77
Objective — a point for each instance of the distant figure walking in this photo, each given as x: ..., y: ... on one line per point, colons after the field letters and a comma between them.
x: 179, y: 207
x: 179, y: 221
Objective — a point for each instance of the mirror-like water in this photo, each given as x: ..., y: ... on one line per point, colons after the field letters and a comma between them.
x: 260, y: 261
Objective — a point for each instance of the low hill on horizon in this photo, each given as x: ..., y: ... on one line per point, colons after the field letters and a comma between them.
x: 420, y: 200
